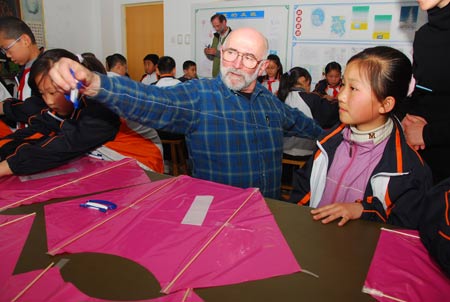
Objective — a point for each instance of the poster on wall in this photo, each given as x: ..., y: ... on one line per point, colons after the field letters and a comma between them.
x: 32, y: 13
x: 271, y: 20
x: 326, y: 32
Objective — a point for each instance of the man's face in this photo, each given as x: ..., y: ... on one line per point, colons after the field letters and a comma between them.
x: 235, y: 74
x: 218, y: 26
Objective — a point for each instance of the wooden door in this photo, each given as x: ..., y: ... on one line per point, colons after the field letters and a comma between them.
x: 145, y: 34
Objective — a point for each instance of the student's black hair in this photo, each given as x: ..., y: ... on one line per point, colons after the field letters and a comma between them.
x: 333, y: 66
x: 115, y: 59
x: 91, y: 62
x: 387, y: 69
x: 47, y: 59
x: 166, y: 64
x: 188, y: 64
x: 152, y: 57
x: 13, y: 28
x: 289, y: 79
x: 221, y: 17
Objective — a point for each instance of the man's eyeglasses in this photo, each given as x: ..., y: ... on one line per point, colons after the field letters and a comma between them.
x: 248, y: 60
x: 7, y: 48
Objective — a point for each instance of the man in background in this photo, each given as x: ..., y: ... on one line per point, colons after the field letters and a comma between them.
x: 212, y: 52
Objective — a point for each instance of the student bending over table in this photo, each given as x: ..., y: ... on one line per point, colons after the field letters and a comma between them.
x: 59, y: 133
x: 364, y: 168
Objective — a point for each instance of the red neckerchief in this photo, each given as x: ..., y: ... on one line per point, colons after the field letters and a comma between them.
x: 269, y: 84
x: 22, y: 83
x: 335, y: 91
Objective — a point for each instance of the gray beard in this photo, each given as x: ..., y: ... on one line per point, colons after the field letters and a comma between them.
x: 247, y: 78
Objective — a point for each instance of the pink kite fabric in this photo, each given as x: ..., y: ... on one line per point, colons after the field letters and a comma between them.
x: 12, y: 240
x: 237, y: 241
x: 50, y: 287
x: 85, y: 175
x: 402, y: 269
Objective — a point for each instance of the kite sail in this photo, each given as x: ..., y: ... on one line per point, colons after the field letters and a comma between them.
x: 188, y: 233
x: 402, y: 270
x: 47, y: 285
x: 13, y: 234
x: 82, y: 176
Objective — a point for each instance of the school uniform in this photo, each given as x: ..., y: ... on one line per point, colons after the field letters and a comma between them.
x: 51, y: 140
x: 395, y: 190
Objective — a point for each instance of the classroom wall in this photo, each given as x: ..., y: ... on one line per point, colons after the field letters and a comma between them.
x: 97, y: 26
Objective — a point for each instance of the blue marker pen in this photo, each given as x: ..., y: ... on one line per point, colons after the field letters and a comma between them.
x: 73, y: 97
x: 424, y: 88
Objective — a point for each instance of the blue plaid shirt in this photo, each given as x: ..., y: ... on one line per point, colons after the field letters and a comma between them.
x: 231, y: 139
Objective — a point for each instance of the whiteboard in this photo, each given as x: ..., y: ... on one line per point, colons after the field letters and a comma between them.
x: 270, y: 20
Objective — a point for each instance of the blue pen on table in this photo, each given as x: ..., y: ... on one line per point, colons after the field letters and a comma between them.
x: 99, y: 204
x: 73, y: 96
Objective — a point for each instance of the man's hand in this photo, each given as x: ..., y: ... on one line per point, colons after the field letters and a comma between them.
x: 64, y: 80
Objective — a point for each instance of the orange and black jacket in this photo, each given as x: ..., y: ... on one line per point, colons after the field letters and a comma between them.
x: 435, y: 224
x: 51, y: 140
x: 18, y: 111
x: 397, y: 188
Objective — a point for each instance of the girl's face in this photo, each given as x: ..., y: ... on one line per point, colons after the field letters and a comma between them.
x: 429, y: 4
x: 54, y: 99
x: 358, y: 105
x: 333, y: 78
x: 272, y: 69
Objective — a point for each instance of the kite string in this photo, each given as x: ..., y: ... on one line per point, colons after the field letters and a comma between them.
x: 135, y: 98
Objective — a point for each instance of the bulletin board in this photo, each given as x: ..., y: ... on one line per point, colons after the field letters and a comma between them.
x: 323, y: 32
x: 271, y: 20
x: 312, y: 33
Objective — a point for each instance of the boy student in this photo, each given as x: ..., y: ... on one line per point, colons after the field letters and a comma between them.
x: 234, y: 127
x: 166, y: 70
x: 116, y: 65
x: 150, y: 62
x: 59, y: 133
x: 189, y: 70
x: 18, y: 43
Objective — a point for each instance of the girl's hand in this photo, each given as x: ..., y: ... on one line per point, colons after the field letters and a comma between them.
x: 4, y: 169
x: 345, y: 211
x: 64, y: 80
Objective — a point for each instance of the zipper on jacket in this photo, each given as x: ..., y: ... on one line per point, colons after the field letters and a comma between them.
x: 350, y: 151
x: 338, y: 185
